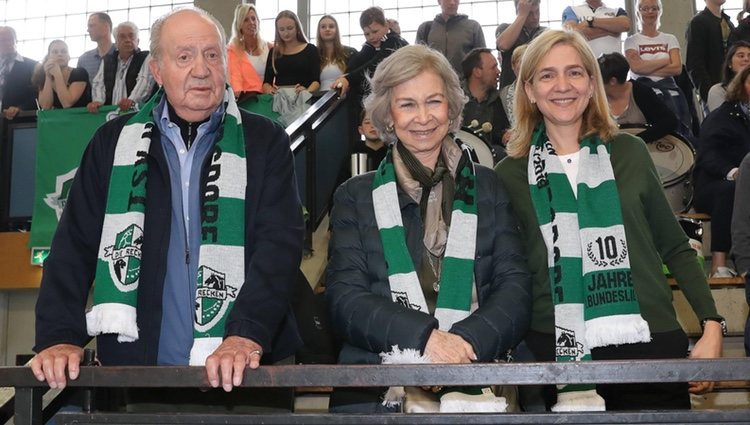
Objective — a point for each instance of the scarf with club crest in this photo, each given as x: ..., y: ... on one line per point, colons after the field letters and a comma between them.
x: 222, y: 226
x: 589, y: 267
x: 456, y: 281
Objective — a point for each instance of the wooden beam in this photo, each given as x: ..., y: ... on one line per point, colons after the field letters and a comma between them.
x: 16, y: 271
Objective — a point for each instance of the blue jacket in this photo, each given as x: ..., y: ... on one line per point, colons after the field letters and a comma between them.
x: 273, y: 249
x: 724, y: 141
x: 358, y: 292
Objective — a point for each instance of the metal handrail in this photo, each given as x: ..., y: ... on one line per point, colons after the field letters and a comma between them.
x: 533, y: 373
x: 28, y: 405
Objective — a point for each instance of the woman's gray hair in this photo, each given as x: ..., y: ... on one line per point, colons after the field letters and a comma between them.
x: 403, y: 65
x: 158, y: 25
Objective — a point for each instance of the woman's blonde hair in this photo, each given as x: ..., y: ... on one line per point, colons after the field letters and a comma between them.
x: 640, y: 19
x: 240, y: 12
x: 401, y: 66
x: 337, y: 55
x: 278, y: 45
x: 596, y: 117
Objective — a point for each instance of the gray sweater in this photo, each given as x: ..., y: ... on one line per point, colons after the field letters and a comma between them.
x: 454, y: 38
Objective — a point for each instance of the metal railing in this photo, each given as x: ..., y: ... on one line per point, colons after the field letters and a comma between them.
x: 320, y: 145
x: 29, y: 390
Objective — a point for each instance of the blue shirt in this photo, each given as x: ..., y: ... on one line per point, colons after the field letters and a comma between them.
x: 185, y: 165
x: 91, y: 61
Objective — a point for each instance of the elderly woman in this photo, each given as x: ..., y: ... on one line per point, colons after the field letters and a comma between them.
x: 725, y: 140
x: 425, y: 252
x: 597, y: 227
x: 654, y: 59
x: 246, y: 52
x: 61, y: 86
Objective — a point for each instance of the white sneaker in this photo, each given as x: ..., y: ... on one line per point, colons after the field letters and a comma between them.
x: 722, y: 271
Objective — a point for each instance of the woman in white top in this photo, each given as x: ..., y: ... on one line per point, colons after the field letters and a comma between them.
x: 333, y: 55
x: 654, y: 58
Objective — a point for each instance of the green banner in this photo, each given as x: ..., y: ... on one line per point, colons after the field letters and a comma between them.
x: 261, y: 104
x: 62, y: 136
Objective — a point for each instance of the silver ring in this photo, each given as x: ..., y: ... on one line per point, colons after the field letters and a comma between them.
x: 258, y: 352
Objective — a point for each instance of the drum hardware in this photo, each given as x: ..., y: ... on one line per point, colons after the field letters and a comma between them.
x: 482, y: 131
x: 482, y: 154
x: 358, y: 163
x: 674, y: 159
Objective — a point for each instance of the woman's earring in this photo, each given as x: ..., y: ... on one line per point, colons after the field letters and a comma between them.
x: 450, y: 123
x: 389, y: 128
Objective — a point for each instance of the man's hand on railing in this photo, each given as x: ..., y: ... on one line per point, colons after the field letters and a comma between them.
x: 51, y: 363
x: 709, y: 346
x: 229, y: 361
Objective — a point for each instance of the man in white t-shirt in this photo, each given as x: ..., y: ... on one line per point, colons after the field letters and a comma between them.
x: 601, y: 25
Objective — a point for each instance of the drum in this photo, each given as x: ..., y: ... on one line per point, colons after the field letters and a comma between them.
x: 674, y: 159
x: 482, y: 151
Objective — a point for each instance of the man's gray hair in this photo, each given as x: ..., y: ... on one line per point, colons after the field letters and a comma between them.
x: 126, y: 24
x: 158, y: 25
x: 12, y: 32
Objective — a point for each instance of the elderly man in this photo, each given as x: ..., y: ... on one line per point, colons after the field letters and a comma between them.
x: 521, y: 31
x: 124, y: 78
x: 480, y: 74
x: 601, y: 25
x: 100, y: 32
x: 16, y: 90
x: 451, y: 33
x: 187, y: 216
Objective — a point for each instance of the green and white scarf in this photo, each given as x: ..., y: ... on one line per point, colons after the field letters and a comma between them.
x: 221, y: 269
x: 456, y: 281
x: 588, y: 258
x: 457, y: 275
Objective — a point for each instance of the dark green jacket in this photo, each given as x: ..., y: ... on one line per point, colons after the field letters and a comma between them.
x: 651, y: 230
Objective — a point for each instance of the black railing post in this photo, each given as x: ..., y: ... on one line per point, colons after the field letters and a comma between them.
x: 310, y: 186
x: 28, y: 406
x: 88, y: 404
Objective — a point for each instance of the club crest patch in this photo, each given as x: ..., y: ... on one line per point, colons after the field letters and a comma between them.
x: 124, y: 258
x: 566, y: 344
x: 212, y: 297
x: 57, y: 199
x: 402, y: 298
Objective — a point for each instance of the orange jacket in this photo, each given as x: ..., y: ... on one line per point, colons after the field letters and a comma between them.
x: 242, y: 75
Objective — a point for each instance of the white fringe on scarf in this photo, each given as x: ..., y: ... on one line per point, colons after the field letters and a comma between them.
x: 415, y: 400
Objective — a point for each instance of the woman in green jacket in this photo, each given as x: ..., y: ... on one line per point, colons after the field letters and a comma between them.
x: 597, y: 228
